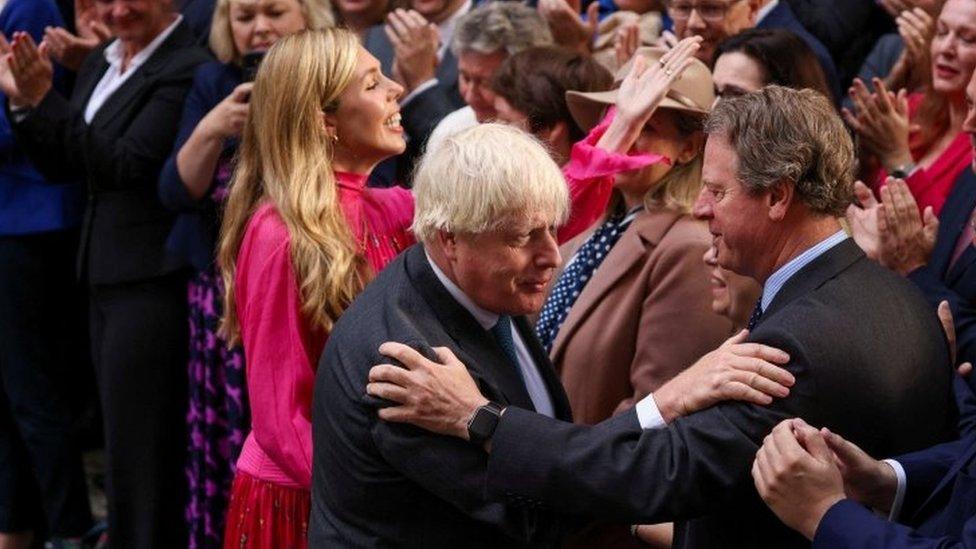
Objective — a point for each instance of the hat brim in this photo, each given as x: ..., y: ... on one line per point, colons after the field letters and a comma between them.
x: 588, y: 109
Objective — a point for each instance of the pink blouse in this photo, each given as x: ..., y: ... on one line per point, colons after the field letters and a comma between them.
x: 282, y: 350
x: 930, y: 186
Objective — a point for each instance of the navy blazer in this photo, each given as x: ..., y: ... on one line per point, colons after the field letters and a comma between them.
x: 782, y: 17
x: 380, y: 484
x: 194, y: 234
x: 939, y: 509
x: 886, y: 389
x: 420, y: 115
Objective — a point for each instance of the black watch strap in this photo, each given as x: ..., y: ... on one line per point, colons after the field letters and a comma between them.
x: 482, y: 424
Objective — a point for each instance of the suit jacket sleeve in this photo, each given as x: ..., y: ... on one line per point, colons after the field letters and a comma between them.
x: 422, y: 113
x: 677, y: 325
x: 60, y: 143
x: 451, y: 469
x: 848, y: 524
x: 697, y: 465
x: 924, y: 470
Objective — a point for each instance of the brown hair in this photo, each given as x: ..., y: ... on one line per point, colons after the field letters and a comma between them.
x: 534, y: 82
x: 784, y: 57
x: 782, y: 133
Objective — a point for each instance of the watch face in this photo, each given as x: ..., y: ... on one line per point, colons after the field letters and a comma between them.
x: 483, y: 424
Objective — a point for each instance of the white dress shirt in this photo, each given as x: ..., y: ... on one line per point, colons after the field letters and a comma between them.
x: 534, y: 384
x: 114, y: 77
x: 648, y: 413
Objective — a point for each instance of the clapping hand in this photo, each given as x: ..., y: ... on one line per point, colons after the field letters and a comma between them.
x: 882, y: 122
x: 415, y: 44
x: 907, y: 238
x: 26, y: 71
x: 863, y: 220
x: 625, y: 42
x: 568, y: 28
x: 70, y: 50
x: 642, y: 90
x: 912, y: 68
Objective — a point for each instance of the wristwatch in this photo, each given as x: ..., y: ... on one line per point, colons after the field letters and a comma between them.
x: 903, y: 171
x: 482, y: 424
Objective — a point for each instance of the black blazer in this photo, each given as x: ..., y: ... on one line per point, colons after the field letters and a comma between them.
x: 870, y: 362
x: 379, y: 484
x: 120, y: 155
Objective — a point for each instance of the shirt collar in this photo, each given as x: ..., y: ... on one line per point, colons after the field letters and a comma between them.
x: 114, y: 53
x: 446, y: 28
x: 776, y: 281
x: 764, y: 11
x: 486, y: 319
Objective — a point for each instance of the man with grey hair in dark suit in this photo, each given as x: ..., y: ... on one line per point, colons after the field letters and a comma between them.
x: 868, y: 353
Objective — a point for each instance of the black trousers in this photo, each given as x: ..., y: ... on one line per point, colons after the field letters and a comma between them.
x: 139, y: 337
x: 42, y: 485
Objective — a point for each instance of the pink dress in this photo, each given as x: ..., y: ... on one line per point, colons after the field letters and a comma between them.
x: 930, y: 186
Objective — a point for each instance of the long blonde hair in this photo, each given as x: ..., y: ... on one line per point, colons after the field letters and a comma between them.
x: 285, y: 158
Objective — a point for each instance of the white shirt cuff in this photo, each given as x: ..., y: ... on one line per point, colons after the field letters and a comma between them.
x: 419, y: 90
x: 648, y: 414
x: 899, y: 491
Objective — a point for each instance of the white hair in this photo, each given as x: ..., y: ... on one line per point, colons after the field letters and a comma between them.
x: 481, y: 179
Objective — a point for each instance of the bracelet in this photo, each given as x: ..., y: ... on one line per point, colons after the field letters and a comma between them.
x: 903, y: 171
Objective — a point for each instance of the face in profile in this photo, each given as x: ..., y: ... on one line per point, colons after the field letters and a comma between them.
x: 257, y: 24
x: 736, y: 73
x: 367, y: 121
x: 733, y: 296
x: 954, y: 47
x: 507, y: 271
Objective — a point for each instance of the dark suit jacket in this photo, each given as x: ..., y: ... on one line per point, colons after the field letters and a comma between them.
x: 782, y: 17
x: 939, y: 508
x: 199, y: 15
x: 120, y: 155
x: 380, y: 484
x: 422, y: 113
x: 872, y: 365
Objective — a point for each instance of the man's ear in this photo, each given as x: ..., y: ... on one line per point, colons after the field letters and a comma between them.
x: 447, y: 242
x: 779, y: 197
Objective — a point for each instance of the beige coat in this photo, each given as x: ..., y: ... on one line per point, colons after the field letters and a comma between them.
x: 644, y: 316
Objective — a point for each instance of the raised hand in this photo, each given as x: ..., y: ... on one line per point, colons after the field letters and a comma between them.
x: 863, y: 220
x: 30, y: 67
x: 440, y: 398
x: 916, y: 27
x: 737, y: 370
x: 882, y: 122
x: 642, y: 90
x: 625, y: 42
x: 415, y: 44
x: 907, y: 238
x: 795, y: 474
x: 568, y: 28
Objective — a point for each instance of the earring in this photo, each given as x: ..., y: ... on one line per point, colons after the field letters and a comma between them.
x: 335, y: 138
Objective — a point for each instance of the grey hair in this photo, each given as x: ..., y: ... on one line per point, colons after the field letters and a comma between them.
x: 495, y: 26
x: 484, y: 178
x: 782, y: 133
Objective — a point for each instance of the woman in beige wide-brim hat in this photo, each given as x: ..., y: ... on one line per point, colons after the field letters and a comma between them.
x: 634, y: 291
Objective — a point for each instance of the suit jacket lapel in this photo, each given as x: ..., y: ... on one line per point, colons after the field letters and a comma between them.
x: 130, y: 90
x: 474, y: 341
x: 953, y: 222
x: 645, y: 231
x: 814, y: 274
x: 948, y: 480
x: 88, y: 79
x: 560, y: 402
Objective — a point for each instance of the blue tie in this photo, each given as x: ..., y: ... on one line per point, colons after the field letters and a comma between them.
x: 502, y: 330
x: 756, y: 315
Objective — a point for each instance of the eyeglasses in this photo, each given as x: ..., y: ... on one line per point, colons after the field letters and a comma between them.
x: 709, y: 11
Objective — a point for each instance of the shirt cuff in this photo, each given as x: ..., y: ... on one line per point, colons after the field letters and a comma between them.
x: 419, y: 90
x: 648, y: 414
x: 899, y: 491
